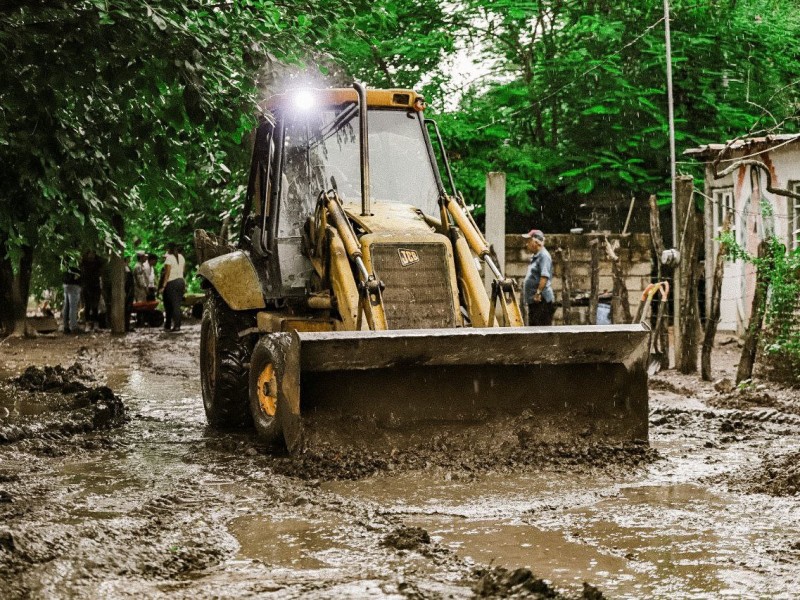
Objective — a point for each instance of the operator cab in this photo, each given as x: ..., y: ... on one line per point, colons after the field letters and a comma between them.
x: 312, y: 144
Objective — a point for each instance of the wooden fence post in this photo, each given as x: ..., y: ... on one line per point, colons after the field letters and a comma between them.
x: 594, y: 291
x: 713, y: 313
x: 620, y: 304
x: 566, y: 285
x: 658, y: 248
x: 688, y: 308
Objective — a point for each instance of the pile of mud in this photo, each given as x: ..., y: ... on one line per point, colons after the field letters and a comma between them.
x: 662, y: 384
x: 759, y: 396
x: 408, y: 538
x: 328, y: 463
x: 498, y: 582
x: 56, y: 402
x: 53, y: 379
x: 777, y: 476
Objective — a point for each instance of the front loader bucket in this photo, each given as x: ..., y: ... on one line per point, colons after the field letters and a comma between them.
x: 395, y: 389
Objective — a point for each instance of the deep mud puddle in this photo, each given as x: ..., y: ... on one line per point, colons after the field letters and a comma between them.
x: 301, y: 543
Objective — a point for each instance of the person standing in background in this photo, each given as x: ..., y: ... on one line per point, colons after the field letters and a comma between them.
x: 91, y: 269
x: 72, y: 297
x: 140, y: 277
x: 152, y: 259
x: 536, y: 288
x: 130, y: 289
x: 173, y: 287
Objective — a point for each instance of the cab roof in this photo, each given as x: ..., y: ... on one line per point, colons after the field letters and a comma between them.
x: 392, y: 98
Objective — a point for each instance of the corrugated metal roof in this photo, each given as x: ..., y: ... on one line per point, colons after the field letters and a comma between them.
x: 752, y: 143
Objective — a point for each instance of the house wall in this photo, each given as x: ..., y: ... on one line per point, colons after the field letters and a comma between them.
x: 635, y: 255
x: 751, y: 226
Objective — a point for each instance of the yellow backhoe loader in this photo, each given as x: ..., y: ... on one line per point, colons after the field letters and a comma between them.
x: 353, y: 310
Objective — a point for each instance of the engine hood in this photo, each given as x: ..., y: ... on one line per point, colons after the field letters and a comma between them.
x: 389, y: 217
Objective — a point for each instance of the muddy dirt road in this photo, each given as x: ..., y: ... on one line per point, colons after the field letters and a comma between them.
x: 97, y: 500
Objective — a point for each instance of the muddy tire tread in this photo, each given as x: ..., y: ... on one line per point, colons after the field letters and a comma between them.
x: 229, y: 409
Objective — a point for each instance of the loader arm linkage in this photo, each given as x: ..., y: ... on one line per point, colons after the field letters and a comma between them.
x: 369, y: 286
x: 503, y: 288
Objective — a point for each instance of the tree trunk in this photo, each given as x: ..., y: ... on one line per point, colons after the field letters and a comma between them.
x: 594, y: 291
x: 655, y: 232
x: 225, y: 230
x: 15, y: 285
x: 116, y: 311
x: 688, y: 229
x: 753, y: 333
x: 6, y: 283
x: 713, y: 315
x: 620, y: 304
x: 566, y: 286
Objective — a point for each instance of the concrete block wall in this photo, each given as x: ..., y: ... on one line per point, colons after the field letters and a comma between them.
x: 634, y: 253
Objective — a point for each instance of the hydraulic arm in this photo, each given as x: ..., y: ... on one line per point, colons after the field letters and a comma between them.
x: 503, y: 288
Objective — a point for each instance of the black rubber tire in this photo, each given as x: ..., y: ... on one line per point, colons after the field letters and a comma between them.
x: 270, y: 349
x: 197, y: 310
x: 225, y: 363
x: 155, y: 318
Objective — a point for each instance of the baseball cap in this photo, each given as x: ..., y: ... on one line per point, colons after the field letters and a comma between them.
x: 535, y: 234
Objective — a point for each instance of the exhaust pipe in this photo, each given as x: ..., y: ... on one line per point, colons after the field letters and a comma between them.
x: 364, y: 133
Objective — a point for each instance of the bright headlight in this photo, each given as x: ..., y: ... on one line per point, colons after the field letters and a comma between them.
x: 304, y: 100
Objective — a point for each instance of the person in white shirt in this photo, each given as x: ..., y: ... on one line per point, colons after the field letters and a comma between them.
x: 140, y: 277
x: 173, y: 287
x: 152, y: 259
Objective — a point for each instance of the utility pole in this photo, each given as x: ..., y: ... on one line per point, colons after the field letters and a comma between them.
x: 676, y: 288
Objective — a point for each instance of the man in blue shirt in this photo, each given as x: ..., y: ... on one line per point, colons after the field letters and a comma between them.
x: 536, y: 289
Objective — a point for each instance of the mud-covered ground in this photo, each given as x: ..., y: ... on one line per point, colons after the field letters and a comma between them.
x: 111, y: 485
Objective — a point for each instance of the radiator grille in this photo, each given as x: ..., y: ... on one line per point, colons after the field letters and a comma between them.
x: 419, y: 294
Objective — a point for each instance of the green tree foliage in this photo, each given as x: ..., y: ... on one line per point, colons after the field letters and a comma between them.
x: 579, y: 102
x: 120, y: 107
x: 394, y: 44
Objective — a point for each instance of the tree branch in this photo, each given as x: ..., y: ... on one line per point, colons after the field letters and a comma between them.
x: 759, y: 165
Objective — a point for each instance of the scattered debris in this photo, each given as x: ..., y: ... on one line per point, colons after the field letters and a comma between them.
x: 498, y: 582
x: 665, y: 385
x: 49, y: 403
x: 407, y: 538
x: 778, y: 476
x: 724, y: 385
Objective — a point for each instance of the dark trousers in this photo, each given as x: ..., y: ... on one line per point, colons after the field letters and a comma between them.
x: 173, y: 298
x: 91, y: 302
x: 541, y: 313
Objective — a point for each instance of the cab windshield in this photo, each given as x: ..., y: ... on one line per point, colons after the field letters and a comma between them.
x: 322, y: 152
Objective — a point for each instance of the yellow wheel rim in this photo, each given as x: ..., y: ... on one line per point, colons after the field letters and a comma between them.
x: 268, y: 390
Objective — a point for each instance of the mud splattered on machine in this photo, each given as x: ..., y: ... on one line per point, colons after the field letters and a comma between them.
x: 353, y: 309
